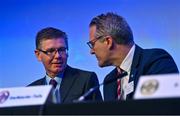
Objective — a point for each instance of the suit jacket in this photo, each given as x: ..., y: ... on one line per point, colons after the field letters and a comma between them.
x: 145, y: 62
x: 75, y: 83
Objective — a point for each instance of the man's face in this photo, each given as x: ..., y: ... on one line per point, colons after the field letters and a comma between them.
x: 53, y: 63
x: 100, y: 48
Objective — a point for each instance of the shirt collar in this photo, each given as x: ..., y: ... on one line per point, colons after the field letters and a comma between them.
x: 126, y: 64
x: 58, y: 78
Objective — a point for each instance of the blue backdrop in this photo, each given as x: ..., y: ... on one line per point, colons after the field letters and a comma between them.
x: 155, y: 23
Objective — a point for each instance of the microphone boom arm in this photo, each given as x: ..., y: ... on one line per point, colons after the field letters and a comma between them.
x: 82, y: 98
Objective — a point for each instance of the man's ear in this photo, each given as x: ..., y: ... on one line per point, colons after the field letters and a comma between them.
x: 38, y: 55
x: 109, y: 42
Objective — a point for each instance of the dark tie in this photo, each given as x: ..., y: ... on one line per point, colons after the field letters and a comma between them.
x: 56, y: 95
x: 119, y: 71
x: 53, y: 83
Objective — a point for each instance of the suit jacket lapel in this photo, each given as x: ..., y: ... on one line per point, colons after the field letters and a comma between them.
x: 110, y: 93
x: 67, y: 82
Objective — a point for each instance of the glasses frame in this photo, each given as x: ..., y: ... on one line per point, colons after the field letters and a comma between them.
x: 60, y: 50
x: 92, y: 42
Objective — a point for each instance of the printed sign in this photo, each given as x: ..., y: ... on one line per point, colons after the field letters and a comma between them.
x: 23, y: 96
x: 158, y: 86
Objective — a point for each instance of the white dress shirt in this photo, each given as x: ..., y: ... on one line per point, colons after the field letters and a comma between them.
x: 126, y: 66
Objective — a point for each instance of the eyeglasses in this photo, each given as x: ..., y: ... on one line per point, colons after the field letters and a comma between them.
x: 92, y: 42
x: 53, y: 51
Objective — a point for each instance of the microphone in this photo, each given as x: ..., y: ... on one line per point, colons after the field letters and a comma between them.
x: 82, y: 98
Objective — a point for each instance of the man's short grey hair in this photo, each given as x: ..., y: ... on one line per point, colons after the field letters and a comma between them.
x: 111, y: 24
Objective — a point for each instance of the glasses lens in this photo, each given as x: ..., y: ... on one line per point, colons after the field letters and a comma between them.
x: 62, y: 49
x: 92, y: 42
x: 52, y: 51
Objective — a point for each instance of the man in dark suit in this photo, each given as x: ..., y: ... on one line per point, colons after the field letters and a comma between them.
x: 111, y: 40
x: 68, y: 83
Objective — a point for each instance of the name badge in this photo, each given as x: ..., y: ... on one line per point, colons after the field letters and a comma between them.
x: 129, y: 87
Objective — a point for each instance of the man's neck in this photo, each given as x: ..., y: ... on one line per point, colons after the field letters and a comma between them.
x: 120, y: 53
x: 54, y: 75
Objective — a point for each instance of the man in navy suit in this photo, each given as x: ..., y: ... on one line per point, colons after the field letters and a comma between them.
x: 111, y: 41
x: 68, y: 83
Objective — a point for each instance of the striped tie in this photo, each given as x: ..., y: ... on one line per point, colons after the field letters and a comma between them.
x: 119, y: 71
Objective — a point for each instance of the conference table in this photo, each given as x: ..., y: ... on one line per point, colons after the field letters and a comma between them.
x: 150, y: 106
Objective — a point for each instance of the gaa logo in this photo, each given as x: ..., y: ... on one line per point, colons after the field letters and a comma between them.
x: 3, y: 96
x: 149, y: 87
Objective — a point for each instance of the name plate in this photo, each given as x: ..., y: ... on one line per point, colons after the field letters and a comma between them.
x: 158, y: 86
x: 23, y: 96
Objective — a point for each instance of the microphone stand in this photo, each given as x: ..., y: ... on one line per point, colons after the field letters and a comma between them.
x: 82, y: 98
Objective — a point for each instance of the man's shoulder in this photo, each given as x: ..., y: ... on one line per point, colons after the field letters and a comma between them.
x: 151, y: 54
x: 156, y: 54
x: 81, y: 71
x: 156, y: 61
x: 150, y: 51
x: 80, y: 74
x: 38, y: 82
x: 156, y: 51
